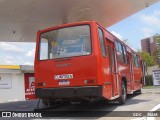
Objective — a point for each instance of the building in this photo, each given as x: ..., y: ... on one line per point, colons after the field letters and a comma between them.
x: 152, y: 45
x: 16, y: 83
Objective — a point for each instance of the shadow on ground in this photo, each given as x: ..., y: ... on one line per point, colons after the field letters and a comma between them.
x: 97, y: 108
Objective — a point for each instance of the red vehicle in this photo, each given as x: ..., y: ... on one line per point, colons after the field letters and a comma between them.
x: 82, y: 61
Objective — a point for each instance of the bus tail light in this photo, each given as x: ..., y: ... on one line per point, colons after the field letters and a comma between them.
x: 89, y: 81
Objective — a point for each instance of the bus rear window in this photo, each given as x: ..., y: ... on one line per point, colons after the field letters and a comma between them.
x: 65, y: 42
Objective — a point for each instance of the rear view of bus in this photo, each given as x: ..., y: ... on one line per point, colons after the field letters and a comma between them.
x: 66, y: 63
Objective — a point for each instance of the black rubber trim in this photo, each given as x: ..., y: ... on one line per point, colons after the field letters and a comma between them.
x: 69, y: 92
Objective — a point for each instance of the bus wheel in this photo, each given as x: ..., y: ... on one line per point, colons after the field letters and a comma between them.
x: 123, y: 97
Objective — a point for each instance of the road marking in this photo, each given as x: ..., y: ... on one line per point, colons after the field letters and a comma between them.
x: 156, y: 108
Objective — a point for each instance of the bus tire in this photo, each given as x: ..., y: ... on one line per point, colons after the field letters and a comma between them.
x: 122, y: 99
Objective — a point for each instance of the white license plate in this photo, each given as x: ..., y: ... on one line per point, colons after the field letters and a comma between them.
x: 63, y: 76
x: 64, y: 82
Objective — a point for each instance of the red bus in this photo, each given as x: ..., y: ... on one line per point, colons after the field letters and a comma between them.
x: 82, y: 61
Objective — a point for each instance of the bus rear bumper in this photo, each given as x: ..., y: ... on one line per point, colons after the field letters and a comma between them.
x: 69, y: 92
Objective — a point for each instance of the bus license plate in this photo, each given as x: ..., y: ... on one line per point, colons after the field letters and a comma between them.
x: 63, y: 76
x: 64, y: 82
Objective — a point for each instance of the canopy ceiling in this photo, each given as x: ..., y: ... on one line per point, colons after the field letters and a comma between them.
x: 21, y: 19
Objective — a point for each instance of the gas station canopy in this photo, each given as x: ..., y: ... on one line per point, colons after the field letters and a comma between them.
x: 21, y: 19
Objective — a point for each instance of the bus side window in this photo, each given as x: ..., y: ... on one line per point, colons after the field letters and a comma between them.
x: 125, y: 54
x: 102, y: 42
x: 120, y: 52
x: 136, y: 60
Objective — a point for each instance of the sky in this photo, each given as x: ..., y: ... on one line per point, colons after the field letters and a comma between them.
x: 143, y: 24
x: 12, y: 53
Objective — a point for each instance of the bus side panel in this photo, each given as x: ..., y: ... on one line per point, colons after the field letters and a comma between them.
x: 97, y: 52
x: 137, y: 77
x: 106, y: 70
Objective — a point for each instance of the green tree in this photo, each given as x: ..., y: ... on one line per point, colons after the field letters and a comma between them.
x: 156, y: 53
x: 147, y: 58
x: 155, y: 57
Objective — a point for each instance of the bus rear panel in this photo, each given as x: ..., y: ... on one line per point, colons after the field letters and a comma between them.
x: 67, y: 63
